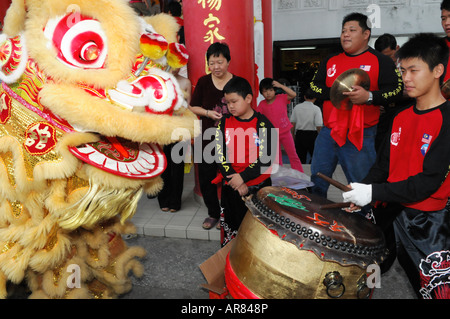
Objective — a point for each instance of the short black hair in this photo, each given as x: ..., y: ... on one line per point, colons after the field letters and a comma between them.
x: 309, y: 94
x: 239, y: 86
x: 265, y: 84
x: 360, y: 18
x: 385, y: 41
x: 445, y: 5
x: 428, y: 47
x: 218, y: 48
x: 175, y: 9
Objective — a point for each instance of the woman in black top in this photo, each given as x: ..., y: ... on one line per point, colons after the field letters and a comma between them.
x: 207, y: 102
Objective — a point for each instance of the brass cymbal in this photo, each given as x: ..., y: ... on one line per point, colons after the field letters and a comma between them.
x: 445, y: 89
x: 344, y: 83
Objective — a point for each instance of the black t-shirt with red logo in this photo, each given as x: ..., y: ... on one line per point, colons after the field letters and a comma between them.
x: 415, y: 161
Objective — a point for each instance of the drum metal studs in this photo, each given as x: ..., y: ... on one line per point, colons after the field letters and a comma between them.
x: 334, y: 283
x: 311, y: 234
x: 323, y: 236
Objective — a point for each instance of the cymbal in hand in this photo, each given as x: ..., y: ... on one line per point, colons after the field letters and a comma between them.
x: 345, y: 83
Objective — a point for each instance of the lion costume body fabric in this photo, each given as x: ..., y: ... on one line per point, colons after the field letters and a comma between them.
x: 80, y: 142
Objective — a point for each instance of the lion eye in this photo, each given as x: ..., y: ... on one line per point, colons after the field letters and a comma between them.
x: 90, y: 52
x: 80, y: 43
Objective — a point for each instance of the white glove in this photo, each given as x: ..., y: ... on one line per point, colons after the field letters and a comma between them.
x: 360, y: 195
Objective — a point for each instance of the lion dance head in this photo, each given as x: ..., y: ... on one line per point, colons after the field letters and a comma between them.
x: 87, y: 102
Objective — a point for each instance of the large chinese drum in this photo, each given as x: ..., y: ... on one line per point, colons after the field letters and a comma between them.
x: 291, y: 244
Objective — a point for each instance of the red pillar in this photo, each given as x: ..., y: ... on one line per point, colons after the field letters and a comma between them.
x: 268, y: 47
x: 228, y: 21
x: 4, y: 5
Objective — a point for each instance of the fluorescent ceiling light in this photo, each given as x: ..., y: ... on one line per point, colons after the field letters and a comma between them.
x: 298, y: 48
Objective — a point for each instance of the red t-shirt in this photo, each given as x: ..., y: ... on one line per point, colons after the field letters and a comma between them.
x: 385, y: 84
x: 415, y: 161
x: 245, y: 147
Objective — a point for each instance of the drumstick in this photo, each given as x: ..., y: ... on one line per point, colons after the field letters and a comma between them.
x: 335, y: 183
x: 340, y: 186
x: 335, y: 205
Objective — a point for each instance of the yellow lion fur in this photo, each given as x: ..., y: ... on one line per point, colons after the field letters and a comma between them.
x: 65, y: 212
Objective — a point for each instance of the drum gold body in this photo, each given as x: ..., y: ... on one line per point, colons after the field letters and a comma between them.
x: 276, y: 269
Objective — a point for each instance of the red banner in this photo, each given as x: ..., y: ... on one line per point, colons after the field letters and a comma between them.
x: 231, y: 22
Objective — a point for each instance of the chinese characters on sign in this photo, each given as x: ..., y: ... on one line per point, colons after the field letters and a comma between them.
x: 212, y: 22
x: 212, y: 4
x: 219, y: 21
x: 40, y: 138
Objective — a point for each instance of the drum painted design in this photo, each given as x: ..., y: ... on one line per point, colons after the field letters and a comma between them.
x: 290, y: 246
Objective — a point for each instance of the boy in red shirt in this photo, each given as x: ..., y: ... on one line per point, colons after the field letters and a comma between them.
x: 244, y: 154
x: 412, y: 169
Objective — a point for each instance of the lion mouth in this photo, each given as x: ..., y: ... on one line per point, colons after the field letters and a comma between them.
x: 122, y: 157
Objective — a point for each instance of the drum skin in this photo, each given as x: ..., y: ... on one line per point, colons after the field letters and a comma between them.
x: 275, y: 262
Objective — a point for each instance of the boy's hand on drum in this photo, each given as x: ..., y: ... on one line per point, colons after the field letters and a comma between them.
x: 235, y: 181
x: 243, y: 189
x: 360, y: 195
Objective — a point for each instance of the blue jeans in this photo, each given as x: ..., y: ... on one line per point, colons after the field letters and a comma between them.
x: 327, y: 154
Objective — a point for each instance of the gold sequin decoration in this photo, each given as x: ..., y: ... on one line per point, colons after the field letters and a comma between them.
x: 52, y: 239
x: 16, y: 127
x: 94, y: 254
x: 57, y: 274
x: 111, y: 269
x: 75, y: 183
x: 7, y: 159
x: 19, y: 254
x: 16, y: 208
x: 7, y: 247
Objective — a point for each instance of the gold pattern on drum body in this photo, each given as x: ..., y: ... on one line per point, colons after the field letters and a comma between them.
x: 260, y: 258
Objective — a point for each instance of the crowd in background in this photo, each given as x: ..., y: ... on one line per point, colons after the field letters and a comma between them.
x: 357, y: 138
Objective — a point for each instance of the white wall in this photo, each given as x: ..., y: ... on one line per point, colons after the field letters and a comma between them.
x: 312, y: 19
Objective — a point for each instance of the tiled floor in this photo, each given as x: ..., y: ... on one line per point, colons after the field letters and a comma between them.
x: 187, y: 222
